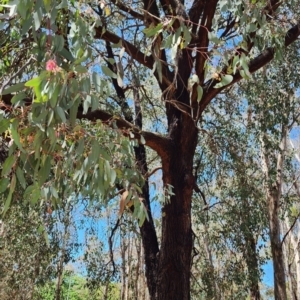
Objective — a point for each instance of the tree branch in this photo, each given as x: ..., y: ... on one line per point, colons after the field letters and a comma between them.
x: 255, y: 64
x: 133, y: 51
x: 128, y: 10
x: 202, y: 44
x: 195, y: 13
x: 154, y: 141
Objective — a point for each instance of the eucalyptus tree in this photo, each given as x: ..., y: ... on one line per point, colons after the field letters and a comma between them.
x: 190, y: 52
x: 25, y: 256
x: 229, y: 216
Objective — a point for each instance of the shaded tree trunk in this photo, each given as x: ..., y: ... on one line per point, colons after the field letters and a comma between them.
x: 252, y: 264
x: 286, y: 255
x: 174, y: 267
x: 147, y: 230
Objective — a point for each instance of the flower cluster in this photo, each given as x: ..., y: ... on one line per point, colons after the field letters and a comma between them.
x: 51, y: 65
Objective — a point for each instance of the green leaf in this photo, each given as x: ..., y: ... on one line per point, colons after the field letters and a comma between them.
x: 59, y: 43
x: 29, y: 190
x: 63, y: 4
x: 45, y: 170
x: 34, y: 82
x: 113, y: 176
x: 37, y: 18
x: 27, y: 24
x: 95, y: 151
x: 9, y: 162
x: 16, y: 98
x: 73, y: 113
x: 16, y: 136
x: 153, y: 30
x: 96, y: 81
x: 54, y: 192
x: 14, y: 88
x: 158, y: 67
x: 61, y: 113
x: 4, y: 182
x: 53, y: 97
x: 67, y: 55
x: 21, y: 177
x: 4, y: 124
x: 212, y: 37
x: 80, y: 69
x: 225, y: 80
x: 87, y: 103
x: 108, y: 72
x: 47, y: 4
x: 13, y: 183
x: 199, y: 93
x: 186, y: 36
x: 80, y: 147
x: 7, y: 203
x: 95, y: 102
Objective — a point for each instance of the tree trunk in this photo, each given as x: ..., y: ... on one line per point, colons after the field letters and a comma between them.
x: 60, y: 264
x: 273, y: 194
x: 123, y: 248
x: 295, y: 244
x: 148, y: 232
x: 286, y: 257
x: 276, y: 247
x: 252, y: 264
x: 212, y: 288
x: 176, y: 246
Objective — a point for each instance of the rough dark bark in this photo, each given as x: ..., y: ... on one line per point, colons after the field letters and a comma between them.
x: 176, y: 245
x: 148, y: 232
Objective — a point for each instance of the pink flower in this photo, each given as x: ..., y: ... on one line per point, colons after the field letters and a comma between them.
x: 51, y: 65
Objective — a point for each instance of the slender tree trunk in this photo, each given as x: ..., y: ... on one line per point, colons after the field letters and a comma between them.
x: 213, y: 289
x: 129, y: 269
x: 148, y: 233
x: 273, y: 194
x: 276, y: 248
x: 286, y: 256
x: 295, y: 241
x: 252, y: 264
x: 60, y: 265
x: 123, y: 247
x: 295, y: 244
x: 137, y: 269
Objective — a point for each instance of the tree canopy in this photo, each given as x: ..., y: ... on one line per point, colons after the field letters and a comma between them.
x: 97, y: 97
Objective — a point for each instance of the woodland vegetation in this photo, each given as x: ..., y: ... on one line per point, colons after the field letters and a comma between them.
x: 149, y: 149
